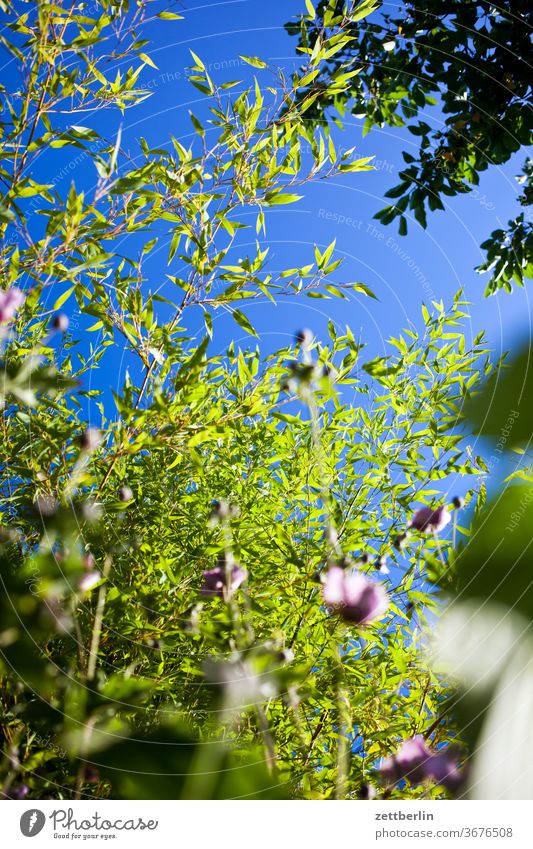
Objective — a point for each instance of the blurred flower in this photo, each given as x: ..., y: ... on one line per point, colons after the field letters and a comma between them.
x: 90, y: 511
x: 91, y: 439
x: 92, y: 776
x: 381, y: 565
x: 304, y: 337
x: 10, y: 301
x: 125, y: 493
x: 222, y: 511
x: 13, y: 758
x: 215, y: 580
x: 243, y: 682
x: 444, y: 770
x: 19, y: 792
x: 366, y: 791
x: 88, y: 561
x: 415, y: 761
x: 354, y: 596
x: 53, y: 611
x: 458, y: 502
x: 427, y: 519
x: 60, y: 322
x: 9, y: 534
x: 237, y: 682
x: 331, y: 536
x: 89, y: 580
x: 400, y: 541
x: 408, y: 762
x: 45, y: 506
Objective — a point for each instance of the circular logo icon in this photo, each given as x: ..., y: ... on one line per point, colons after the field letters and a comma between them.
x: 32, y: 822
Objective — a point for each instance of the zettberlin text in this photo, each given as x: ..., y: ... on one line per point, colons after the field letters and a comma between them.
x: 400, y: 815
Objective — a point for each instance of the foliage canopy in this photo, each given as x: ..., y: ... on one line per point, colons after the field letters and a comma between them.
x: 457, y: 75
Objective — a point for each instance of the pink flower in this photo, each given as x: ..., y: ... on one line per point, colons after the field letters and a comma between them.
x: 427, y: 519
x: 88, y: 561
x: 415, y: 761
x: 354, y: 596
x: 10, y: 301
x: 408, y: 762
x: 444, y: 770
x: 89, y: 580
x: 215, y: 580
x: 19, y: 792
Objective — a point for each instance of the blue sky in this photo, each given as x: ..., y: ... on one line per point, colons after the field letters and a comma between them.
x: 445, y: 254
x: 402, y: 271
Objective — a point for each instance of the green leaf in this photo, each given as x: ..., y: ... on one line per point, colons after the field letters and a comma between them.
x: 254, y: 61
x: 364, y: 289
x: 197, y: 60
x: 6, y: 215
x: 274, y: 198
x: 169, y: 16
x: 197, y: 125
x: 495, y: 563
x: 502, y: 408
x: 380, y: 367
x: 63, y: 298
x: 147, y: 60
x: 243, y: 322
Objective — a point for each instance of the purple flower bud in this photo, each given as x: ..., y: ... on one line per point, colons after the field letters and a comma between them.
x: 19, y: 792
x: 10, y: 302
x: 458, y: 502
x: 60, y: 322
x: 408, y: 762
x: 92, y: 776
x: 215, y: 580
x: 354, y: 596
x: 444, y: 770
x: 427, y: 519
x: 416, y: 762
